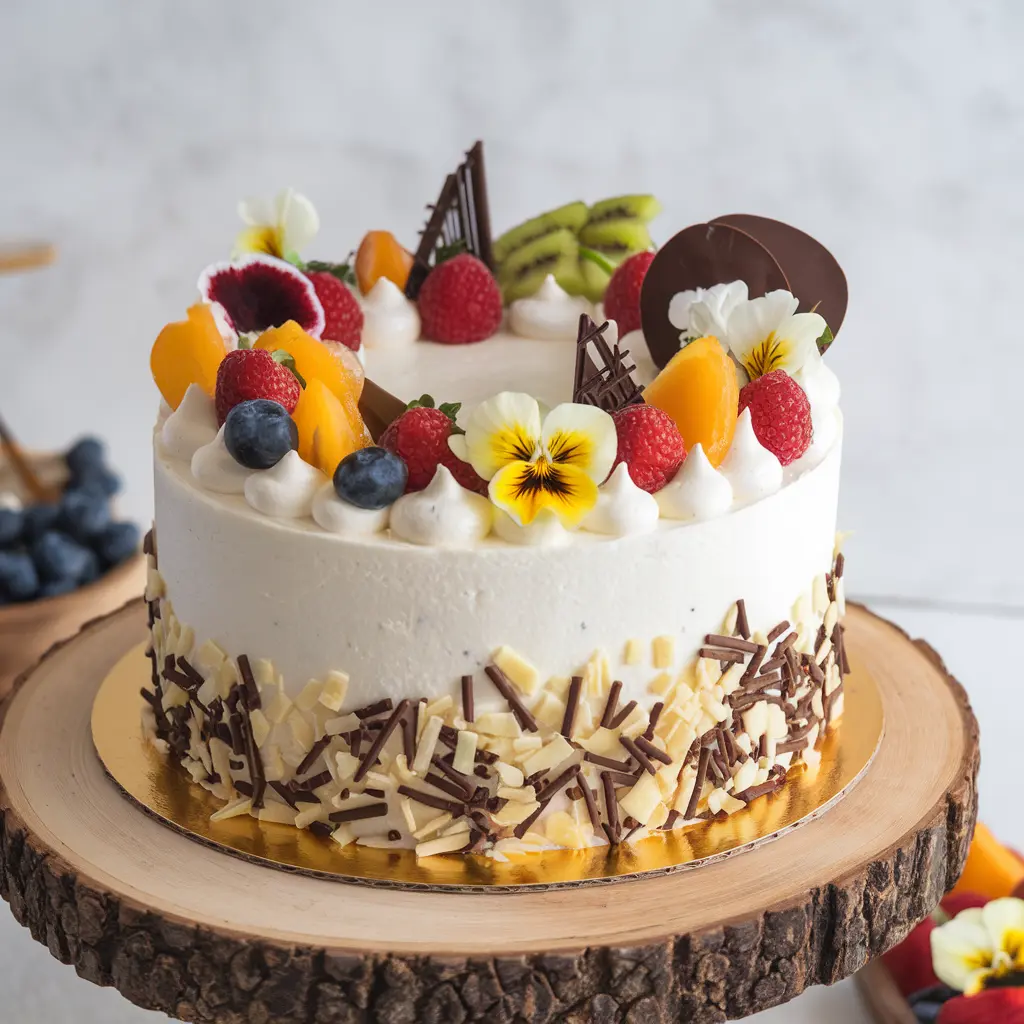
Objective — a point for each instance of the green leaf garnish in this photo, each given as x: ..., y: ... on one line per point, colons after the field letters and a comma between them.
x: 447, y: 252
x: 825, y: 340
x: 342, y: 271
x: 450, y: 409
x: 247, y: 339
x: 287, y: 360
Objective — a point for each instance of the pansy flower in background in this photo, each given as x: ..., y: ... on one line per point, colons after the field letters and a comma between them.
x: 767, y: 333
x: 281, y: 227
x: 534, y: 464
x: 982, y: 947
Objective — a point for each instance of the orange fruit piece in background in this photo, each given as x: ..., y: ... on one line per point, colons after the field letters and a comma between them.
x: 698, y: 389
x: 326, y: 431
x: 187, y: 352
x: 379, y: 255
x: 992, y: 870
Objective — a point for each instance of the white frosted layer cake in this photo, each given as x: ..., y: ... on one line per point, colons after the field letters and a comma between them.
x: 568, y: 614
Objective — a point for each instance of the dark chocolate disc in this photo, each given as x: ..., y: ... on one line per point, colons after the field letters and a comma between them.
x: 699, y: 257
x: 815, y: 276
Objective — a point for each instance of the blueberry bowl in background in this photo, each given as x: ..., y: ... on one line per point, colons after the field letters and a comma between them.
x: 65, y: 562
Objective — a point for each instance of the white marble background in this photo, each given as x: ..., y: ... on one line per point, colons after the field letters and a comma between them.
x: 892, y: 132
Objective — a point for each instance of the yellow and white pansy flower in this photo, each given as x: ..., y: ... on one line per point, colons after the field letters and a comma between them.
x: 767, y: 333
x: 279, y: 227
x: 533, y: 464
x: 980, y: 945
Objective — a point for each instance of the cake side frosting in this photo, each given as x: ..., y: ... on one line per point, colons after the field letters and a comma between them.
x: 420, y: 617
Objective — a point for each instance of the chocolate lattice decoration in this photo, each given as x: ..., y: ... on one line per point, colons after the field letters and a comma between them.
x: 611, y: 385
x: 460, y: 218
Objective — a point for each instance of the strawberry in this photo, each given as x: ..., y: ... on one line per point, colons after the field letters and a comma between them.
x: 650, y: 444
x: 910, y: 963
x: 991, y: 1006
x: 622, y: 296
x: 254, y: 373
x: 460, y: 301
x: 779, y: 413
x: 420, y: 438
x: 342, y: 312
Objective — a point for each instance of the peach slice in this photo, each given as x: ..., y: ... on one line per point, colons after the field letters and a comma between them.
x: 698, y: 389
x: 379, y: 255
x: 316, y: 363
x: 187, y: 352
x: 326, y: 434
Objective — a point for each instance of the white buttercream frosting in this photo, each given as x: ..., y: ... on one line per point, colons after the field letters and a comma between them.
x: 821, y: 386
x: 215, y: 469
x: 697, y: 491
x: 337, y: 516
x: 190, y: 426
x: 753, y: 471
x: 286, y: 490
x: 622, y: 508
x: 443, y: 514
x: 545, y: 530
x: 390, y: 320
x: 550, y: 314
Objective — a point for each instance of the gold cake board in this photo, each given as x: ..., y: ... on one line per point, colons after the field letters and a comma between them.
x: 180, y: 927
x: 161, y: 787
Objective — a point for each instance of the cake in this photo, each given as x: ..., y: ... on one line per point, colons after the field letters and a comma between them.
x: 598, y: 599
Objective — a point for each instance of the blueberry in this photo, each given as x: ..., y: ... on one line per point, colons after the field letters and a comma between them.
x: 57, y: 587
x: 11, y: 523
x: 85, y: 454
x: 96, y: 480
x: 58, y: 557
x: 39, y: 519
x: 371, y: 478
x: 260, y: 433
x: 117, y: 543
x: 19, y: 580
x: 83, y: 514
x: 928, y: 1002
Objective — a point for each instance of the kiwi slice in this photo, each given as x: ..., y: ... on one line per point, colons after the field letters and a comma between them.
x: 641, y: 208
x: 616, y: 238
x: 525, y: 268
x: 572, y: 216
x: 595, y: 280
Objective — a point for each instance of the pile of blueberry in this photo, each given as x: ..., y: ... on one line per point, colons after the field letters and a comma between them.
x: 53, y: 548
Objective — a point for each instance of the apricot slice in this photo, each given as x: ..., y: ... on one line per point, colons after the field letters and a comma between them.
x: 187, y: 352
x: 315, y: 362
x: 379, y: 255
x: 326, y: 434
x: 992, y: 870
x: 698, y: 389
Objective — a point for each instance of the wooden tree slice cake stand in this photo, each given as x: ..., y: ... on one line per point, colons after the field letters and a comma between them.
x: 179, y: 927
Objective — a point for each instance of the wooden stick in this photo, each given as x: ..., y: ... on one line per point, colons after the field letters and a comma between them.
x: 26, y: 474
x: 18, y: 256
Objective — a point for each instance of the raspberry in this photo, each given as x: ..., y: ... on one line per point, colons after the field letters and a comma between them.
x: 420, y: 438
x: 779, y: 413
x: 460, y: 302
x: 622, y: 296
x: 1002, y: 1005
x: 343, y: 314
x: 650, y: 444
x: 253, y: 373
